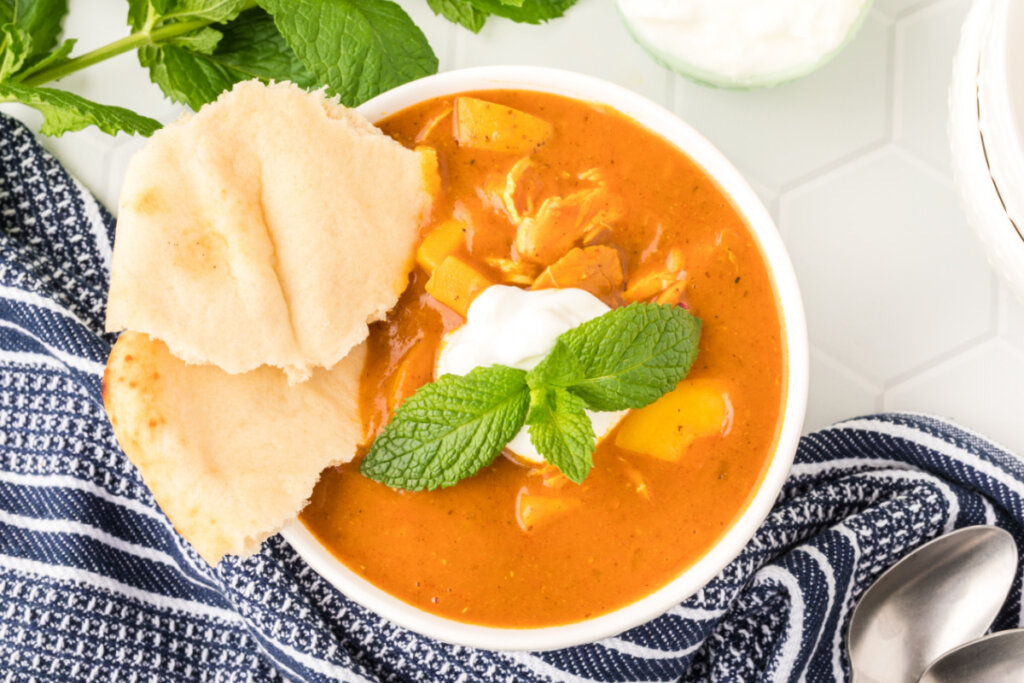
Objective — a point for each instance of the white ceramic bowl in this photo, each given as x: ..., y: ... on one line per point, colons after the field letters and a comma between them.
x: 658, y: 119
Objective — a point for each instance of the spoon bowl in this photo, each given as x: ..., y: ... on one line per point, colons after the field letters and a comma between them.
x: 939, y: 596
x: 996, y: 658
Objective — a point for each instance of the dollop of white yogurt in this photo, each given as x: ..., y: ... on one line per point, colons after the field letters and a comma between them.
x: 741, y: 40
x: 517, y: 327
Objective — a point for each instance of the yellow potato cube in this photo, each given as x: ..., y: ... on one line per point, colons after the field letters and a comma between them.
x: 694, y: 409
x: 431, y: 172
x: 456, y: 283
x: 643, y: 287
x: 494, y: 127
x: 674, y: 294
x: 513, y: 272
x: 440, y: 243
x: 533, y: 510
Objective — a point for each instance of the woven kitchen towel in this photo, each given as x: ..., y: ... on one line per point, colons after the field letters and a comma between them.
x: 95, y: 585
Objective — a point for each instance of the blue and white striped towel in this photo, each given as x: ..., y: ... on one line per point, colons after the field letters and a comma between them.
x: 96, y: 586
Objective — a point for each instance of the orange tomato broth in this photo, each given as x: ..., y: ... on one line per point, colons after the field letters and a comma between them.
x: 638, y: 521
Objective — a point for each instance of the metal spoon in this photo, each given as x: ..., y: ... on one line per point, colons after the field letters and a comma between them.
x: 996, y: 658
x: 939, y: 596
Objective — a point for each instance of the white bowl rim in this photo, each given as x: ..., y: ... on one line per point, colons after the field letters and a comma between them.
x: 669, y: 126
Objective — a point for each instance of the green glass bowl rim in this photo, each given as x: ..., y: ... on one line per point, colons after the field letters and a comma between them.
x: 769, y: 80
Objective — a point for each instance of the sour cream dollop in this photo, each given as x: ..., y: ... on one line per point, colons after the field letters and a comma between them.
x: 517, y: 327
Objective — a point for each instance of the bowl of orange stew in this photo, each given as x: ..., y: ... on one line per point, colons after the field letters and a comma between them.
x: 516, y: 557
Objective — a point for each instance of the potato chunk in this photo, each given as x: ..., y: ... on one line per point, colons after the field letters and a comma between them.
x: 431, y: 170
x: 667, y: 284
x: 533, y: 510
x: 480, y: 124
x: 648, y: 285
x: 694, y: 409
x: 440, y: 243
x: 673, y: 295
x: 597, y: 270
x: 455, y: 283
x: 518, y: 273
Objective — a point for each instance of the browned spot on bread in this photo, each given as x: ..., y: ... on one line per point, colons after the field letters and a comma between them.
x: 147, y: 203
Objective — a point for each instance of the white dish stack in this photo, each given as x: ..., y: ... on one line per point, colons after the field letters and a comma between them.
x: 986, y: 131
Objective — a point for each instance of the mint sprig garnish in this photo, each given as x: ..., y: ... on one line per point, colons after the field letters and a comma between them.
x: 449, y: 429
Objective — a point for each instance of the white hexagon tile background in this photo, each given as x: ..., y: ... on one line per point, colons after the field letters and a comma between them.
x: 903, y: 310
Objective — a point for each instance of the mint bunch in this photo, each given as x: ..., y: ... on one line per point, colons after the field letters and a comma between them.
x: 197, y: 49
x: 449, y: 429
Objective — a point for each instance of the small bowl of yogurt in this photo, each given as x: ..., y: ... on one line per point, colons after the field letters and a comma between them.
x: 743, y: 43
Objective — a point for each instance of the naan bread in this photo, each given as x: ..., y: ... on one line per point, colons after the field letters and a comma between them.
x: 267, y: 229
x: 229, y: 458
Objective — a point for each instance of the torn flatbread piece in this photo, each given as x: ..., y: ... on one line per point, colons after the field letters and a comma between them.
x: 229, y: 458
x: 267, y: 229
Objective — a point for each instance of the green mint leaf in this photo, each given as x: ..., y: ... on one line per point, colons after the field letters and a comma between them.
x: 626, y: 358
x: 358, y: 48
x: 250, y: 47
x: 528, y: 12
x: 63, y: 112
x: 15, y: 48
x: 214, y: 11
x: 542, y: 404
x: 512, y: 3
x: 253, y: 46
x: 58, y: 56
x: 141, y: 11
x: 147, y: 14
x: 40, y: 20
x: 565, y: 437
x: 203, y: 42
x: 560, y: 368
x: 461, y: 12
x: 185, y: 76
x: 449, y: 429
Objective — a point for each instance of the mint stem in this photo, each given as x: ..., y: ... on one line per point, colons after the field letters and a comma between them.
x: 134, y: 41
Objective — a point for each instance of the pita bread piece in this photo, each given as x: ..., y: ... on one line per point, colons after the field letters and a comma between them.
x: 229, y: 458
x: 267, y: 229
